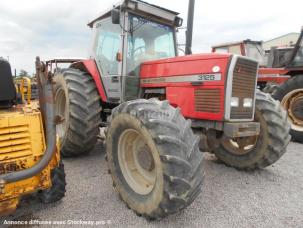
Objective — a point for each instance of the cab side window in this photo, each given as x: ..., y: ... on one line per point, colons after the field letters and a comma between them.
x: 107, y: 46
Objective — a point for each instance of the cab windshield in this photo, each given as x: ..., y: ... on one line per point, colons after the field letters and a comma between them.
x: 147, y: 40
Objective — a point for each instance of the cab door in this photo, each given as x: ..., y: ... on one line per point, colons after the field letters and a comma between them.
x: 107, y: 45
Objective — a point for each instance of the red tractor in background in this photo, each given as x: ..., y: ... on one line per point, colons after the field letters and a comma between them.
x: 159, y: 109
x: 281, y: 74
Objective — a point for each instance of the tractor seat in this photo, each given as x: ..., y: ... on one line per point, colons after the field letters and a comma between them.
x: 7, y: 87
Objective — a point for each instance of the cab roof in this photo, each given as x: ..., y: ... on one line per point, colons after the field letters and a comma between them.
x: 227, y: 44
x: 139, y: 6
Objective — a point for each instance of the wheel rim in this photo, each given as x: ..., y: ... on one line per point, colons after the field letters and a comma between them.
x: 61, y: 111
x: 137, y: 162
x: 240, y: 146
x: 293, y: 104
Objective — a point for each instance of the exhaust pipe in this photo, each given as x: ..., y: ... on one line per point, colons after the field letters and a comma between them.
x: 190, y: 25
x: 46, y: 100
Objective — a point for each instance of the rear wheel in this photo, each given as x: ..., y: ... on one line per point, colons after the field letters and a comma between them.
x: 77, y: 102
x: 153, y: 157
x: 290, y: 94
x: 259, y: 151
x: 57, y: 190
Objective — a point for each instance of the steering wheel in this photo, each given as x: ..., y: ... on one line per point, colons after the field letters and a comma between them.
x: 107, y: 65
x: 141, y: 49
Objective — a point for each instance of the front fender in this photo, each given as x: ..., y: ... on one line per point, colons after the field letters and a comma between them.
x: 90, y: 67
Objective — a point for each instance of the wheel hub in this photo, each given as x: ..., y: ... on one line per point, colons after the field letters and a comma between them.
x: 297, y: 108
x: 145, y: 159
x: 240, y: 146
x: 293, y: 104
x: 136, y: 162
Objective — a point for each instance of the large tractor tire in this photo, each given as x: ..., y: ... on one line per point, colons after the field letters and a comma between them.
x: 153, y: 157
x: 249, y: 153
x: 57, y: 190
x: 77, y: 102
x: 290, y: 94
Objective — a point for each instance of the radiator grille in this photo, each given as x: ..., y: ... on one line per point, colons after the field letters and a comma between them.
x: 207, y: 100
x: 244, y: 86
x: 14, y: 142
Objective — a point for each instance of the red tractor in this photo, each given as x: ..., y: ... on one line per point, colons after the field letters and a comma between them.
x: 159, y: 109
x: 281, y: 74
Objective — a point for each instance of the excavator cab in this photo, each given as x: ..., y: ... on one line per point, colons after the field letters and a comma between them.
x: 29, y: 150
x: 8, y: 94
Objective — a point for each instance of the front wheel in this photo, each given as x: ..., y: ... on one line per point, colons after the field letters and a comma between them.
x: 153, y: 157
x: 260, y: 151
x: 57, y: 191
x: 290, y: 94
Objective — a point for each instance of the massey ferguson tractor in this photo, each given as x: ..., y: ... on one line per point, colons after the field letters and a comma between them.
x: 159, y: 109
x: 281, y: 74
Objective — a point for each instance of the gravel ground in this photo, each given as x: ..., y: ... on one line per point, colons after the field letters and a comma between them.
x: 272, y: 197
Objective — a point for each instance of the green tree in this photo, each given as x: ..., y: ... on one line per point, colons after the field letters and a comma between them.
x: 23, y: 73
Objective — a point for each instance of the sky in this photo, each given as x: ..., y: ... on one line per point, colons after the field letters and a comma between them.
x: 58, y: 28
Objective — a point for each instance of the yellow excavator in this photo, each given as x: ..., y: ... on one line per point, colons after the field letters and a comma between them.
x: 29, y: 148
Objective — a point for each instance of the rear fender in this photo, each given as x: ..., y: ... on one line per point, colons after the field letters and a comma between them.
x: 90, y: 67
x: 276, y: 75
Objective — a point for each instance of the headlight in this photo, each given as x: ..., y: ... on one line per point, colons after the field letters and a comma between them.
x: 234, y: 102
x: 247, y: 103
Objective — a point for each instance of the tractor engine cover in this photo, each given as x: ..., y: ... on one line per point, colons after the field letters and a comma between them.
x: 203, y: 85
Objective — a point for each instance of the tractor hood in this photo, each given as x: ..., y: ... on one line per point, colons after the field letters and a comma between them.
x: 202, y: 85
x: 191, y: 65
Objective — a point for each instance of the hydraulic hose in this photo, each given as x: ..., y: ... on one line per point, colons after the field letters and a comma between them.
x: 46, y: 100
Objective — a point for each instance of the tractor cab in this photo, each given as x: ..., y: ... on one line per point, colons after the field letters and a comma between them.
x: 131, y: 33
x: 277, y: 57
x: 296, y: 59
x: 289, y: 57
x: 249, y: 48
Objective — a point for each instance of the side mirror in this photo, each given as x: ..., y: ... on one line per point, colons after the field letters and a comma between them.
x: 115, y: 14
x: 178, y: 22
x: 119, y: 57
